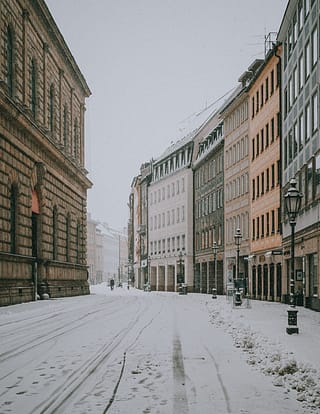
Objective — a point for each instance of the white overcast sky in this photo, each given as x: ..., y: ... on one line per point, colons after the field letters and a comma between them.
x: 151, y: 66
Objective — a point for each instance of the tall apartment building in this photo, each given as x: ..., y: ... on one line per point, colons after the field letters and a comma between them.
x: 170, y: 212
x: 208, y: 187
x: 265, y: 260
x: 299, y: 34
x: 235, y: 114
x: 43, y: 181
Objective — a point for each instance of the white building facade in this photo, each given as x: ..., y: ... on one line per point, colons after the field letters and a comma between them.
x: 170, y: 213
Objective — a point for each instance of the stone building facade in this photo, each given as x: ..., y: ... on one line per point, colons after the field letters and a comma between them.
x: 265, y: 260
x: 208, y: 184
x: 299, y: 34
x: 43, y: 181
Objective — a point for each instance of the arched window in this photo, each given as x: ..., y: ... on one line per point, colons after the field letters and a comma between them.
x: 13, y: 218
x: 65, y: 127
x: 9, y: 61
x: 51, y: 109
x: 33, y: 88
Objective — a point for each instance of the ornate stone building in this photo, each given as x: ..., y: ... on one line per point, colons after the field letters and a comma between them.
x: 43, y: 181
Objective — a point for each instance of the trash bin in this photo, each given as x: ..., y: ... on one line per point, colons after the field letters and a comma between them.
x: 214, y: 293
x: 237, y: 298
x: 183, y: 289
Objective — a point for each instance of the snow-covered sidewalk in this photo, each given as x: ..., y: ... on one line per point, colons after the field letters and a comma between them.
x: 260, y: 332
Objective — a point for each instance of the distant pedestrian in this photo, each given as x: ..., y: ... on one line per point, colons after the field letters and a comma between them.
x: 111, y: 284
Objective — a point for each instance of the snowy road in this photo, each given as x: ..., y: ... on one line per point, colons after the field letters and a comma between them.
x: 127, y: 352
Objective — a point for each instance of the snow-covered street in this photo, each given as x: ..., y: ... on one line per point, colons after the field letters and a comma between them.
x: 128, y: 351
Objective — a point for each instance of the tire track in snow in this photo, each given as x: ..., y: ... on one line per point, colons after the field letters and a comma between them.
x: 60, y: 398
x: 180, y: 400
x: 223, y: 388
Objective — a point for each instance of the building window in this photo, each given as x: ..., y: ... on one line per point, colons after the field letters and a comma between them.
x: 300, y: 15
x: 295, y: 139
x: 75, y: 138
x: 9, y: 61
x: 272, y: 130
x: 68, y: 230
x: 272, y: 82
x: 51, y: 109
x: 301, y: 72
x: 65, y: 127
x: 285, y: 152
x: 317, y: 174
x: 307, y: 68
x: 268, y: 180
x: 267, y: 89
x: 301, y: 131
x: 307, y: 123
x: 13, y: 218
x: 306, y: 7
x: 272, y: 222
x: 314, y: 119
x: 55, y: 233
x: 33, y: 88
x: 272, y: 176
x: 290, y: 146
x: 314, y: 46
x: 309, y: 195
x: 267, y: 224
x: 313, y: 274
x: 78, y: 242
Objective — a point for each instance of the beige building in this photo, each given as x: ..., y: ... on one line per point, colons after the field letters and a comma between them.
x: 265, y: 260
x: 43, y: 181
x: 235, y: 113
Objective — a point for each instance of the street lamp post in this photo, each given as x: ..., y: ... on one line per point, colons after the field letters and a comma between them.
x: 180, y: 276
x: 215, y: 289
x: 293, y: 203
x: 237, y: 240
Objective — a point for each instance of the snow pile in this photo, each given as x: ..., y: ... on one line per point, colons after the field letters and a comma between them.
x: 268, y: 351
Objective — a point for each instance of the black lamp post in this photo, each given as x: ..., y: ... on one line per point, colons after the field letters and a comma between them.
x: 237, y: 240
x: 180, y: 276
x: 215, y: 250
x: 293, y: 203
